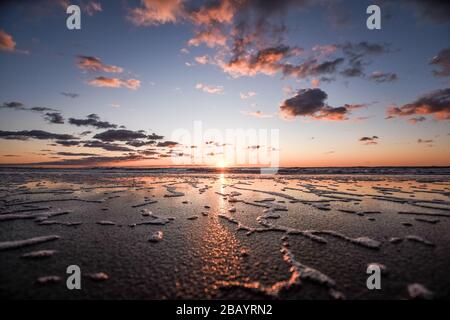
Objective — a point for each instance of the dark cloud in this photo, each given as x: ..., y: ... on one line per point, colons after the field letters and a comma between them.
x: 169, y: 144
x: 41, y: 109
x: 75, y: 154
x: 34, y: 134
x: 12, y: 105
x: 120, y: 135
x: 93, y: 161
x: 435, y: 103
x: 428, y: 141
x: 149, y: 152
x: 358, y: 50
x: 154, y: 136
x: 311, y: 103
x: 70, y: 94
x: 379, y: 76
x: 359, y: 55
x: 354, y: 71
x: 68, y: 143
x: 312, y: 68
x: 106, y: 146
x: 140, y: 143
x: 16, y: 105
x: 92, y: 120
x: 442, y: 60
x: 54, y: 117
x: 85, y: 133
x: 369, y: 140
x: 416, y: 120
x: 305, y: 102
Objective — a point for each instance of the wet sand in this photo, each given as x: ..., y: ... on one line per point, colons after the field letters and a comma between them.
x: 223, y: 236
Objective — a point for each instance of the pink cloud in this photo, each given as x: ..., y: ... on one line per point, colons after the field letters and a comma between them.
x: 95, y: 64
x: 6, y: 42
x: 107, y: 82
x: 155, y: 12
x: 209, y: 88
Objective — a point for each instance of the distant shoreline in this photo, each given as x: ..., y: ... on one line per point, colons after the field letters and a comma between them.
x: 380, y: 170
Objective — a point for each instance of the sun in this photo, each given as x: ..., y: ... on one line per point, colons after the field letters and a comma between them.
x: 221, y: 164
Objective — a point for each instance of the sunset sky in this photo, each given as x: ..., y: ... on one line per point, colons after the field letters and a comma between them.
x: 114, y: 92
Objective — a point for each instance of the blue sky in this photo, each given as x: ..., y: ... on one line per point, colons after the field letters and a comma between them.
x: 43, y: 64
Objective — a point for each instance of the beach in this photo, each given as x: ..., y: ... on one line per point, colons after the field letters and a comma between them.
x: 210, y: 235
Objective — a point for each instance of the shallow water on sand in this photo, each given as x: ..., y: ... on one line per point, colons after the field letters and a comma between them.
x: 166, y: 236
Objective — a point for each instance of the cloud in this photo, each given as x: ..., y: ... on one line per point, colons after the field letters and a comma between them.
x: 424, y: 141
x: 68, y: 143
x: 70, y: 94
x: 218, y: 12
x: 12, y: 105
x: 442, y: 60
x: 120, y: 135
x: 435, y: 103
x: 369, y: 140
x: 40, y: 109
x: 92, y: 120
x: 209, y: 88
x: 54, y: 117
x: 354, y: 71
x: 154, y: 136
x: 312, y: 68
x: 257, y: 114
x: 305, y: 103
x: 107, y: 82
x: 16, y: 105
x: 246, y: 95
x: 6, y: 42
x: 92, y: 7
x: 93, y: 161
x: 416, y: 120
x: 169, y: 144
x: 140, y: 143
x: 75, y: 154
x: 311, y: 103
x: 248, y: 37
x: 155, y: 12
x: 379, y: 76
x: 202, y: 59
x: 315, y: 83
x: 212, y: 37
x: 358, y: 50
x: 34, y: 134
x: 106, y: 146
x: 268, y: 61
x: 94, y: 64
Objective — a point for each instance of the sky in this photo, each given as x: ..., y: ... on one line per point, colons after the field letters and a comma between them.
x: 278, y: 83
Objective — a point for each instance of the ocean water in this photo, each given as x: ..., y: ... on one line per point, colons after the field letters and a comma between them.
x: 306, y: 233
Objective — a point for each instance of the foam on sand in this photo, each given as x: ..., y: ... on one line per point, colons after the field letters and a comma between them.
x: 39, y: 254
x: 418, y: 239
x: 99, y: 276
x: 45, y: 280
x: 419, y: 291
x: 8, y: 245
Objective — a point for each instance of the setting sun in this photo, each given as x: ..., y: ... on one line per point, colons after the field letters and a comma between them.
x: 221, y: 163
